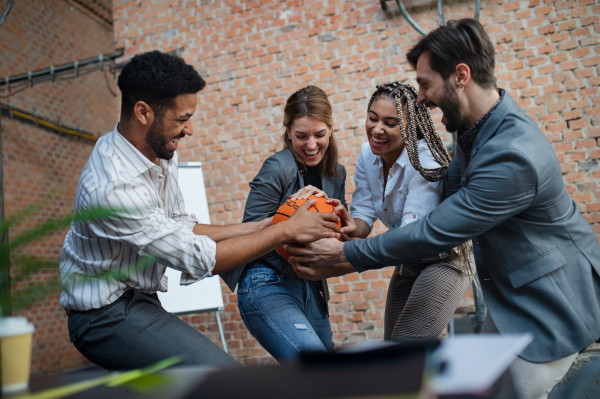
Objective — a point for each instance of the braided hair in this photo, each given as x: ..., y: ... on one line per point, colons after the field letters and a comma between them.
x: 419, y: 125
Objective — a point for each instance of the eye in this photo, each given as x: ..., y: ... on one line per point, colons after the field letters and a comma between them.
x: 391, y: 124
x: 372, y: 119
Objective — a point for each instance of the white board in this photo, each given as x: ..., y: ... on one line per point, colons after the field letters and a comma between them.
x: 205, y: 295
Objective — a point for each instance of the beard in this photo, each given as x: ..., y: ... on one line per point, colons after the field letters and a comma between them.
x: 450, y: 107
x: 156, y: 141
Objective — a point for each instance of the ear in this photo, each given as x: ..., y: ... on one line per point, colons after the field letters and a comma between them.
x: 143, y: 113
x: 462, y: 75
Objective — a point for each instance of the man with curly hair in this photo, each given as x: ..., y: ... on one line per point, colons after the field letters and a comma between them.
x: 111, y: 267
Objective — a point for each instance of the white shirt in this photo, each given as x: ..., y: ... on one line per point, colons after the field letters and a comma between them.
x: 407, y: 197
x: 151, y: 222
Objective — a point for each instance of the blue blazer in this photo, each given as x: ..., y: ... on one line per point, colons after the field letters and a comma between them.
x: 541, y: 258
x: 279, y: 178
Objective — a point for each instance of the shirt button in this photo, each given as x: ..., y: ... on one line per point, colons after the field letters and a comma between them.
x: 414, y: 216
x: 387, y: 195
x: 385, y: 210
x: 400, y: 192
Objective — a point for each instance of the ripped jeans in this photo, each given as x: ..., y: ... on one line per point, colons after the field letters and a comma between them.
x: 286, y: 316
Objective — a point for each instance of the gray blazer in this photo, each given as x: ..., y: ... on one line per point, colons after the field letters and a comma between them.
x: 279, y: 178
x: 541, y: 258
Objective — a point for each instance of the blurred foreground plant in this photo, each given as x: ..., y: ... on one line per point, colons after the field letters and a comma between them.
x: 30, y: 265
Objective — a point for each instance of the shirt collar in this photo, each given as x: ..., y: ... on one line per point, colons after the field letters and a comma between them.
x: 135, y: 162
x: 401, y: 161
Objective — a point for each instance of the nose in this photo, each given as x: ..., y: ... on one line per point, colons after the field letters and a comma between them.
x: 421, y: 97
x: 378, y: 128
x: 188, y: 130
x: 312, y: 143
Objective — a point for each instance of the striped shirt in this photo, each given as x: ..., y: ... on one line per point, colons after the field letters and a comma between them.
x: 102, y: 258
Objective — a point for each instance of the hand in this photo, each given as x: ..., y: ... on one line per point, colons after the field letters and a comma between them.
x: 350, y: 229
x: 321, y: 273
x: 307, y: 191
x: 310, y: 226
x: 321, y: 253
x: 266, y: 222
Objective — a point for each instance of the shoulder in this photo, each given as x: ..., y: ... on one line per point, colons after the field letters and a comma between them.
x: 281, y: 163
x: 366, y: 156
x: 425, y: 156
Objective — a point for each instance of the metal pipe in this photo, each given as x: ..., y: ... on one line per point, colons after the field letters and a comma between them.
x: 441, y: 13
x: 409, y: 19
x: 52, y: 71
x: 6, y: 11
x: 477, y: 9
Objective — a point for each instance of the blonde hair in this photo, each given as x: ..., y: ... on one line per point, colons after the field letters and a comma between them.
x: 311, y: 101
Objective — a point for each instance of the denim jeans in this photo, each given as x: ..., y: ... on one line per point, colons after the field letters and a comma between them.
x: 286, y: 316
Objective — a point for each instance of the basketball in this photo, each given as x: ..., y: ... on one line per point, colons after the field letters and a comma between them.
x: 289, y: 207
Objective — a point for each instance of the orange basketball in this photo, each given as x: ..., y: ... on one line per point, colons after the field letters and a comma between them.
x: 289, y: 207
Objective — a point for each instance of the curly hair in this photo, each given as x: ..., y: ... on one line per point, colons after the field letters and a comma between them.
x: 157, y: 79
x: 419, y: 125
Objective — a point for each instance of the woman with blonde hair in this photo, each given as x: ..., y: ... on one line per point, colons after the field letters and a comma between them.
x: 284, y: 313
x: 398, y: 180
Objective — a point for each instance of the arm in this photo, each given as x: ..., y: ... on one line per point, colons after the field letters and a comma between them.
x: 492, y: 195
x: 501, y: 185
x: 267, y: 189
x: 451, y: 181
x: 303, y: 227
x: 220, y: 233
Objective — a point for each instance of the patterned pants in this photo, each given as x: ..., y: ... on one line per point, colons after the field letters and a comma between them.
x: 423, y: 296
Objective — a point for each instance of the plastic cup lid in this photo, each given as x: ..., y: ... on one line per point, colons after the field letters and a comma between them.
x: 10, y: 326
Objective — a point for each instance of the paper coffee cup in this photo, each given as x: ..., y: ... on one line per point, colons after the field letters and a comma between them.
x: 16, y: 335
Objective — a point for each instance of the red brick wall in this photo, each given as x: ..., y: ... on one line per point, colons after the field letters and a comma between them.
x: 38, y: 163
x: 256, y: 53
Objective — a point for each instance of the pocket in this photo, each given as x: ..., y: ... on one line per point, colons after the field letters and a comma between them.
x: 259, y: 280
x: 537, y: 268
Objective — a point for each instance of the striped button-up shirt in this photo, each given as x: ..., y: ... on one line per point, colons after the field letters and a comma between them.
x: 103, y: 257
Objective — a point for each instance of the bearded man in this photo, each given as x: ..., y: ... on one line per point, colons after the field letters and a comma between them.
x: 541, y: 266
x: 111, y: 267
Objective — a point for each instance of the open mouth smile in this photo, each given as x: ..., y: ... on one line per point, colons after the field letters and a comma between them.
x: 379, y: 142
x: 312, y: 154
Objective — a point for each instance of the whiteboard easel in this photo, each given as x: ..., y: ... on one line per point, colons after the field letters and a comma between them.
x: 204, y: 295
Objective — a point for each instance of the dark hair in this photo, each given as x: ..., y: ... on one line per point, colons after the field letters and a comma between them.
x: 418, y: 125
x: 157, y: 79
x: 311, y: 101
x: 460, y: 41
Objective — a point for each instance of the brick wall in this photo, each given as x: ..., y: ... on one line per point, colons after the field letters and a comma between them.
x: 39, y: 164
x: 254, y: 54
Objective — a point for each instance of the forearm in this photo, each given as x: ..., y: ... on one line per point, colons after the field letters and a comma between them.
x: 221, y: 233
x: 234, y: 252
x: 363, y: 229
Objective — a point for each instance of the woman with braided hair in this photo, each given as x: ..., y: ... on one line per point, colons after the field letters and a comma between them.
x: 398, y: 181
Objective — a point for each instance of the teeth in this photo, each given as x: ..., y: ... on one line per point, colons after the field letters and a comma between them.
x: 311, y: 152
x: 379, y: 141
x: 173, y: 141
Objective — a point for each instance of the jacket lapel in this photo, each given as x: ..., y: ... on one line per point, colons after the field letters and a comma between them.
x: 328, y: 186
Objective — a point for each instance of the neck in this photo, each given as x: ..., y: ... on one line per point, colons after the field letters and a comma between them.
x: 477, y: 102
x: 136, y: 136
x: 390, y: 158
